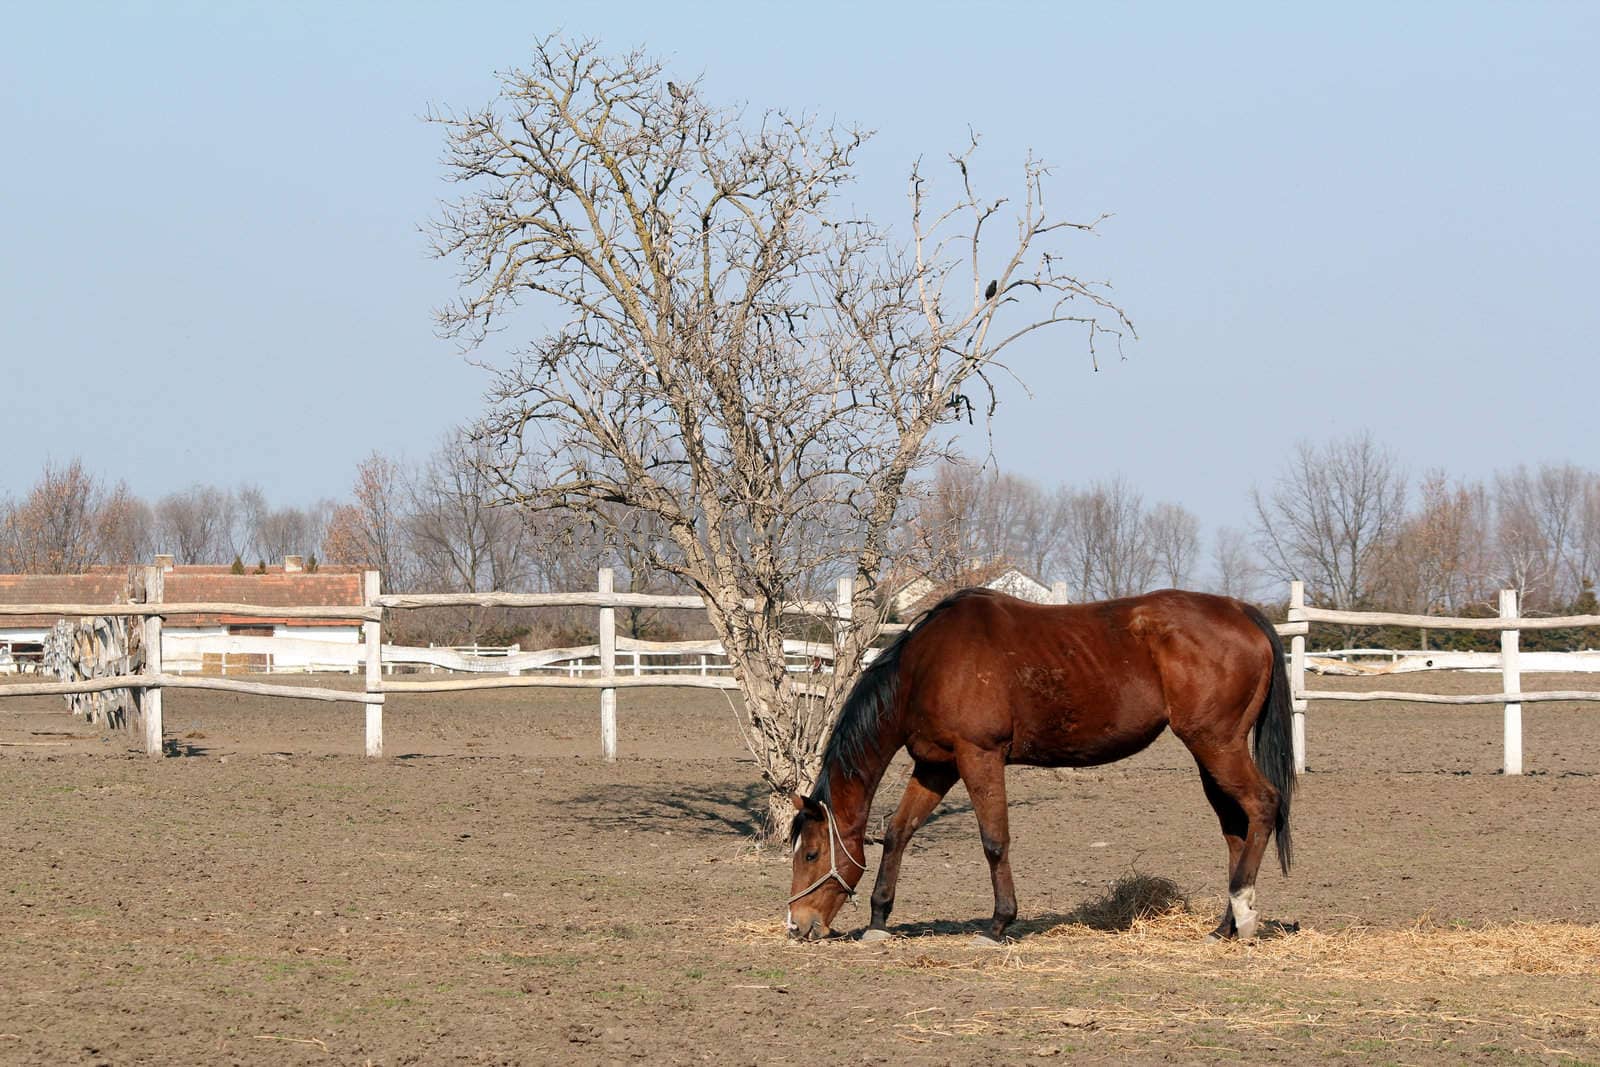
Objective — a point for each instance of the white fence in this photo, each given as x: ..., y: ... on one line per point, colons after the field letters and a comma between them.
x: 572, y: 667
x: 226, y: 654
x: 1510, y: 662
x: 524, y: 669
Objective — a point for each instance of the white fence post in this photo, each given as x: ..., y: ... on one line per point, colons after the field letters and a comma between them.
x: 1058, y: 593
x: 154, y: 590
x: 608, y: 670
x: 844, y: 599
x: 1297, y: 675
x: 373, y: 632
x: 1511, y: 680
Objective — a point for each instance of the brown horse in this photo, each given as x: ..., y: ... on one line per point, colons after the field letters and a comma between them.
x: 984, y: 680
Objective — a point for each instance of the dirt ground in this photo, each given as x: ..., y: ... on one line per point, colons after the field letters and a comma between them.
x: 493, y: 892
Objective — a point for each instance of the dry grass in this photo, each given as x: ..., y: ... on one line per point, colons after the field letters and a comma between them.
x: 1146, y: 922
x: 1142, y: 934
x: 1132, y: 899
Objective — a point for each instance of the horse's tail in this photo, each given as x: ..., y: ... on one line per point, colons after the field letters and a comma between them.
x: 1275, y: 738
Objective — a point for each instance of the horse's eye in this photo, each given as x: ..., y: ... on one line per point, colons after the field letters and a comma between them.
x: 811, y: 857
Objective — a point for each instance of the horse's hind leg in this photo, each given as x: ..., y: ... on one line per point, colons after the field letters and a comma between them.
x: 1234, y: 827
x: 984, y: 771
x: 929, y: 783
x: 1246, y: 804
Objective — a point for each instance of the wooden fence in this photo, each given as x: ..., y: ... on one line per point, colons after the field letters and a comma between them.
x: 153, y: 679
x: 606, y: 678
x: 1508, y: 623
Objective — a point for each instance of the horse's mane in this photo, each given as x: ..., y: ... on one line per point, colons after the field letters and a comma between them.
x: 872, y: 698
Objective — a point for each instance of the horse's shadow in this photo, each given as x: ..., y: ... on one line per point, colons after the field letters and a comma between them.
x: 1047, y: 922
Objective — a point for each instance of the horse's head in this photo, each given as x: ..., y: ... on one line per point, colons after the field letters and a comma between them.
x: 825, y: 870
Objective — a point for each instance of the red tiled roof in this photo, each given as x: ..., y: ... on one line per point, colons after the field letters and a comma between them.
x: 190, y: 585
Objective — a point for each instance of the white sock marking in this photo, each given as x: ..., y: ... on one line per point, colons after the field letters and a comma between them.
x: 1245, y: 916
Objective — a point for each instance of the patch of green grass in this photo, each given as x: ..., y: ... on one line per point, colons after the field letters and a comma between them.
x: 627, y: 992
x: 561, y: 961
x: 625, y: 932
x: 1366, y: 1045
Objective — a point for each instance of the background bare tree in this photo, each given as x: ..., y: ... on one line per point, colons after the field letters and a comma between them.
x: 370, y: 531
x: 1333, y: 513
x: 756, y: 368
x: 1173, y: 534
x: 460, y: 540
x: 66, y: 522
x: 1108, y: 549
x: 1235, y: 569
x: 195, y: 525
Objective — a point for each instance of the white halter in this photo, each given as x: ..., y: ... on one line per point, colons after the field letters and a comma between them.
x: 833, y: 865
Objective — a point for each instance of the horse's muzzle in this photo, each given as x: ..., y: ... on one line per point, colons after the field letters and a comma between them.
x: 815, y: 930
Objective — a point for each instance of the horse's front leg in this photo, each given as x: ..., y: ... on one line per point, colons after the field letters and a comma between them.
x: 984, y: 771
x: 929, y: 783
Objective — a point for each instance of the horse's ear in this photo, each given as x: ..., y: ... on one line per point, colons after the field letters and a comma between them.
x: 798, y: 801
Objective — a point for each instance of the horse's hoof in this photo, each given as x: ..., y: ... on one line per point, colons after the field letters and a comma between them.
x: 985, y: 941
x: 873, y: 933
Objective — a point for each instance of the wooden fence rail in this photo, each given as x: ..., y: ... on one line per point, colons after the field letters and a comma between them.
x: 1508, y: 622
x: 370, y: 612
x: 153, y: 679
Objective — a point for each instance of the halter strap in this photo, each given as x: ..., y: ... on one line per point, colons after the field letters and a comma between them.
x: 833, y: 864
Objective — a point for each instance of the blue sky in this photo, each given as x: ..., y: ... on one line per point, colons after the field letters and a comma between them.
x: 1358, y: 217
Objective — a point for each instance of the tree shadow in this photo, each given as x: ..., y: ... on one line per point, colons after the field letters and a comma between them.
x: 739, y: 808
x: 721, y: 809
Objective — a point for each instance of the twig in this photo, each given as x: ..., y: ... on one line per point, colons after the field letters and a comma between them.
x: 323, y: 1045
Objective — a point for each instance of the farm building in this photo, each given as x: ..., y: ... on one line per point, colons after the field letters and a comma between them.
x: 214, y: 643
x: 917, y: 593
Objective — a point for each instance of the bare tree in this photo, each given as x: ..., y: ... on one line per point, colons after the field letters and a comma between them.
x: 195, y: 525
x: 1438, y: 561
x: 461, y: 542
x: 1173, y: 534
x: 1544, y: 516
x: 371, y: 531
x: 124, y: 527
x: 1333, y: 513
x: 1108, y: 551
x: 944, y: 534
x: 60, y: 526
x: 1235, y: 571
x: 1524, y: 556
x: 738, y: 355
x: 1586, y: 560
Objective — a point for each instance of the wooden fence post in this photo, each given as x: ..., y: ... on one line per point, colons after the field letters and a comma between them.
x: 844, y: 599
x: 1511, y: 681
x: 608, y: 670
x: 1297, y: 675
x: 374, y: 636
x: 154, y: 590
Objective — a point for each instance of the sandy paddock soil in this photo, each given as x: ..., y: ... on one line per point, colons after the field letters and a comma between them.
x: 492, y: 892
